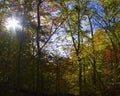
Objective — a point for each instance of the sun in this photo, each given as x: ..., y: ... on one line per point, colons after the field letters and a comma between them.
x: 12, y: 24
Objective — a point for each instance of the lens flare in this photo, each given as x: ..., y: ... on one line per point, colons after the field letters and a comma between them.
x: 12, y: 24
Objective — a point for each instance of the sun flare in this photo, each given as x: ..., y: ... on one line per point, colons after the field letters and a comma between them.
x: 12, y: 24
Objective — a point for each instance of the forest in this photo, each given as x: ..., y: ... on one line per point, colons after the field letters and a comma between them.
x: 59, y: 47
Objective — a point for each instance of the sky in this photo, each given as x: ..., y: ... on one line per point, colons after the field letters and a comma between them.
x: 60, y: 44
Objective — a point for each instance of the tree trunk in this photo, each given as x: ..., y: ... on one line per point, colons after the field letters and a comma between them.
x: 19, y: 65
x: 57, y: 78
x: 39, y: 64
x: 80, y: 77
x: 93, y: 52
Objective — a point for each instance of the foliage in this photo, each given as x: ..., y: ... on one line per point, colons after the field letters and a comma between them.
x: 86, y: 63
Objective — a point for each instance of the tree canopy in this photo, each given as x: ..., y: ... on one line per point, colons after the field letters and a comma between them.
x: 59, y: 48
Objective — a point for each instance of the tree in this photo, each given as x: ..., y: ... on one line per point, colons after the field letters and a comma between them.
x: 76, y: 32
x: 63, y: 47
